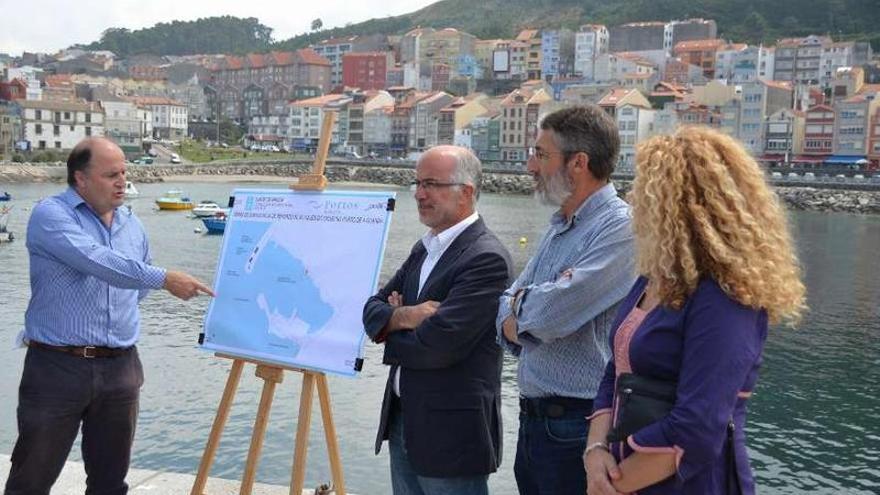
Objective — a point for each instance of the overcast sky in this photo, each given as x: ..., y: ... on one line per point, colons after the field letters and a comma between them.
x: 50, y: 25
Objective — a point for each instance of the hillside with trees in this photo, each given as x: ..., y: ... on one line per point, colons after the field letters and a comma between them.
x: 751, y: 21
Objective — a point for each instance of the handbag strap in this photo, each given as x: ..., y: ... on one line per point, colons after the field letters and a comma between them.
x: 734, y: 486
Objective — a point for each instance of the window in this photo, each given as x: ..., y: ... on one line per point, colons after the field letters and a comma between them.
x: 38, y: 129
x: 38, y: 115
x: 88, y: 131
x: 41, y: 145
x: 56, y: 130
x: 66, y: 115
x: 57, y: 145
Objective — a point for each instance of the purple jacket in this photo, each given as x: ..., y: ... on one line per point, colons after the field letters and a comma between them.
x: 712, y: 347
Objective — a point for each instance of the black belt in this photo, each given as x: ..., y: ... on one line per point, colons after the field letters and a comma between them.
x: 554, y: 407
x: 89, y: 351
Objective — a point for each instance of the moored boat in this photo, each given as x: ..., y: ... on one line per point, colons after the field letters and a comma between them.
x: 207, y: 209
x: 174, y: 200
x: 131, y: 192
x: 5, y: 196
x: 215, y: 224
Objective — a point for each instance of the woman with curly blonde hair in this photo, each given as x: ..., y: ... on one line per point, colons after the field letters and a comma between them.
x: 717, y: 265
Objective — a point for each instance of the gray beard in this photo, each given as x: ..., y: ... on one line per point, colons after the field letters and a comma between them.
x: 554, y: 191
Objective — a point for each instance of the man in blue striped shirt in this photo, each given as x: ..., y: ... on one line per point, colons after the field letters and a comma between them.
x: 556, y: 316
x: 90, y: 265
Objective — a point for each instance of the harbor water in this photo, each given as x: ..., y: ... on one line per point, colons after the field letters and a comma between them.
x: 814, y: 417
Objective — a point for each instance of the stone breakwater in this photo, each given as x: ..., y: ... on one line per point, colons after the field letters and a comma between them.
x: 796, y: 198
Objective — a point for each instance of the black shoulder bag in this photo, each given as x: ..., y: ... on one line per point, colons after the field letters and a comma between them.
x: 643, y: 401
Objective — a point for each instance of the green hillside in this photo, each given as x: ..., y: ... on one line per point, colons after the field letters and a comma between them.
x: 750, y: 21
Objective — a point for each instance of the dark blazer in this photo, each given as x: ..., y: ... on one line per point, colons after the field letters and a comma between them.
x: 451, y: 381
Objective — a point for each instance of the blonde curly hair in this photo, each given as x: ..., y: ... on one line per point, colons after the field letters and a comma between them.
x: 701, y: 207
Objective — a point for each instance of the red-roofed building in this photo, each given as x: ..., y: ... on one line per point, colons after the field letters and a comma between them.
x: 333, y: 50
x: 874, y: 141
x: 259, y: 84
x: 818, y: 134
x: 520, y: 113
x: 367, y: 70
x: 701, y: 53
x: 15, y: 89
x: 59, y: 87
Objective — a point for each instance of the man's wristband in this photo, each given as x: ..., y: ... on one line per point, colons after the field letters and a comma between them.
x: 596, y: 446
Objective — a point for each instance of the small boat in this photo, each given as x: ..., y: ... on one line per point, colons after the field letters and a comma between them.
x: 174, y: 200
x: 5, y: 235
x: 5, y: 196
x: 215, y: 224
x: 131, y: 192
x: 207, y: 209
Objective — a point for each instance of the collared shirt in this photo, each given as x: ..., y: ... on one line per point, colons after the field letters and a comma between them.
x: 86, y: 279
x: 567, y: 296
x: 436, y: 245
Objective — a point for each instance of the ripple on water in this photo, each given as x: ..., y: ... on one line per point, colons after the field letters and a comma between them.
x: 812, y: 421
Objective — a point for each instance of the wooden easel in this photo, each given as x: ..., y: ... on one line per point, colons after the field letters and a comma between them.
x: 272, y: 375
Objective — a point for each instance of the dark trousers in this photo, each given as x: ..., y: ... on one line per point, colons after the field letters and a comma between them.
x: 549, y: 451
x: 58, y: 393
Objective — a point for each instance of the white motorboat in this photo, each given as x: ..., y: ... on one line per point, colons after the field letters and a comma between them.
x: 131, y: 192
x: 207, y: 209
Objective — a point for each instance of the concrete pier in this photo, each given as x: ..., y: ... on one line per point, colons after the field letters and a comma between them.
x: 145, y: 482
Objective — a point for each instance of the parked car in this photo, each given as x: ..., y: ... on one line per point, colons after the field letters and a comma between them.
x: 809, y: 176
x: 175, y: 158
x: 152, y: 152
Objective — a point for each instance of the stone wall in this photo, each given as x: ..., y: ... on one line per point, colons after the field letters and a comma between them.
x: 796, y: 198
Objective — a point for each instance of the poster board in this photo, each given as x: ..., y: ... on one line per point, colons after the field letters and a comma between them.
x: 294, y: 272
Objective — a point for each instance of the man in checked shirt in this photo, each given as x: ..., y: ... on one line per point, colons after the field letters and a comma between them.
x: 556, y: 316
x: 90, y: 266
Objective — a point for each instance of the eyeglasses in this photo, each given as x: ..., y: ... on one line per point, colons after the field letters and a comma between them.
x: 544, y: 155
x: 433, y: 185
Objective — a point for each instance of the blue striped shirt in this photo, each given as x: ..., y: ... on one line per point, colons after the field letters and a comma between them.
x: 86, y: 279
x: 570, y: 290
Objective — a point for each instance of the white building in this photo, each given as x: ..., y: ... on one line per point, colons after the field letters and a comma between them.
x: 60, y: 125
x: 377, y: 128
x: 590, y: 42
x: 307, y: 117
x: 635, y: 123
x: 170, y: 117
x: 29, y: 75
x: 615, y: 66
x: 833, y: 57
x: 751, y: 64
x: 122, y: 124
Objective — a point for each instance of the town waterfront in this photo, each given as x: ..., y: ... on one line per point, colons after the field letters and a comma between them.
x: 813, y: 418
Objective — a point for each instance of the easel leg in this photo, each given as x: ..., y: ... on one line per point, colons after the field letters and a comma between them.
x: 217, y: 429
x: 297, y: 479
x: 271, y: 377
x: 330, y: 435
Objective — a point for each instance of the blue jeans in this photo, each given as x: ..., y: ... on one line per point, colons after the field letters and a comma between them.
x: 405, y: 481
x: 549, y: 454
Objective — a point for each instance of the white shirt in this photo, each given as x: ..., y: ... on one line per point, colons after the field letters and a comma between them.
x: 436, y: 245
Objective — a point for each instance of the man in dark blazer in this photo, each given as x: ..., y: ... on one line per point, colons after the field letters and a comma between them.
x: 442, y: 408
